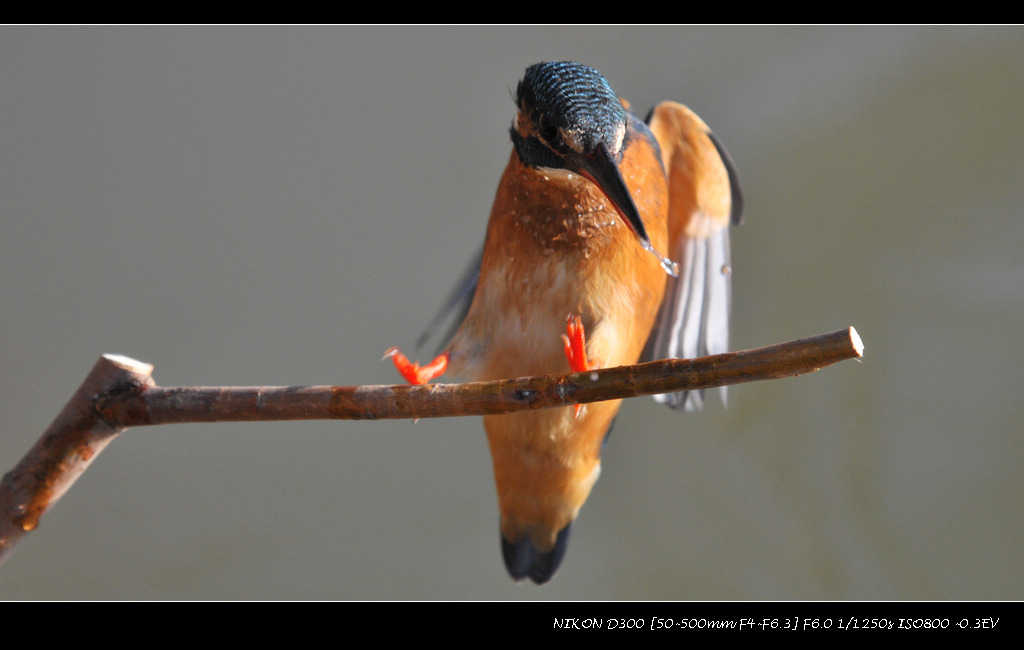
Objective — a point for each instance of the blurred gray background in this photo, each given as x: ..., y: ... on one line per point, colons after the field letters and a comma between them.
x: 278, y: 205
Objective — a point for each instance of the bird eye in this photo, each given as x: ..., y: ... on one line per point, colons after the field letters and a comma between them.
x: 547, y: 130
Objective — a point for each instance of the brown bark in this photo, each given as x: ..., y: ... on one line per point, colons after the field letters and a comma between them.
x: 120, y: 392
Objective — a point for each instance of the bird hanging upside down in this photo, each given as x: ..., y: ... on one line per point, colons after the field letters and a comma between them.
x: 590, y: 213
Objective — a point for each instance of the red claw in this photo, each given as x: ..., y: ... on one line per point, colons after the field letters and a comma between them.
x: 575, y: 344
x: 412, y: 372
x: 576, y: 348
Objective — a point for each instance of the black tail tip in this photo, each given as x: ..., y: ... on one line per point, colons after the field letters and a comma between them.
x: 523, y: 560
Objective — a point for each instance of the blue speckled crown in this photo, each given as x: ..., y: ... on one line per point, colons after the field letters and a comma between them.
x: 572, y: 97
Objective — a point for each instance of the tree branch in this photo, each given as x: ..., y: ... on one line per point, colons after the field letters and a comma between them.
x: 120, y: 392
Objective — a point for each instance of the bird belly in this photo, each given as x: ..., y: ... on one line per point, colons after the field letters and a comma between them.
x: 546, y: 461
x: 541, y: 264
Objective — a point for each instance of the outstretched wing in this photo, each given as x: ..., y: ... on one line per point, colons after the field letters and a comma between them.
x: 704, y: 200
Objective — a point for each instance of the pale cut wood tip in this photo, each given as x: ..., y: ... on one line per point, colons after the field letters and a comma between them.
x: 858, y: 345
x: 127, y: 363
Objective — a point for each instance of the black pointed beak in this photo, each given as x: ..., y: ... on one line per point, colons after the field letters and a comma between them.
x: 602, y: 169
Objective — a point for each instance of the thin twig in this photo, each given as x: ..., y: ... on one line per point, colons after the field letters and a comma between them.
x: 120, y: 392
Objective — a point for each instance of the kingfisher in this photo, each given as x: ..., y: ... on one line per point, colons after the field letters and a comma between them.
x: 608, y: 237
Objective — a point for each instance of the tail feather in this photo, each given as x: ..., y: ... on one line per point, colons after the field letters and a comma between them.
x: 524, y: 560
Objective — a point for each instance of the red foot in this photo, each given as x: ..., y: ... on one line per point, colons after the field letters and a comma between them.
x: 576, y: 348
x: 575, y: 344
x: 412, y: 371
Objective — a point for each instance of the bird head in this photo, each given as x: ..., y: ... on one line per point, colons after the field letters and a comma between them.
x: 570, y: 118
